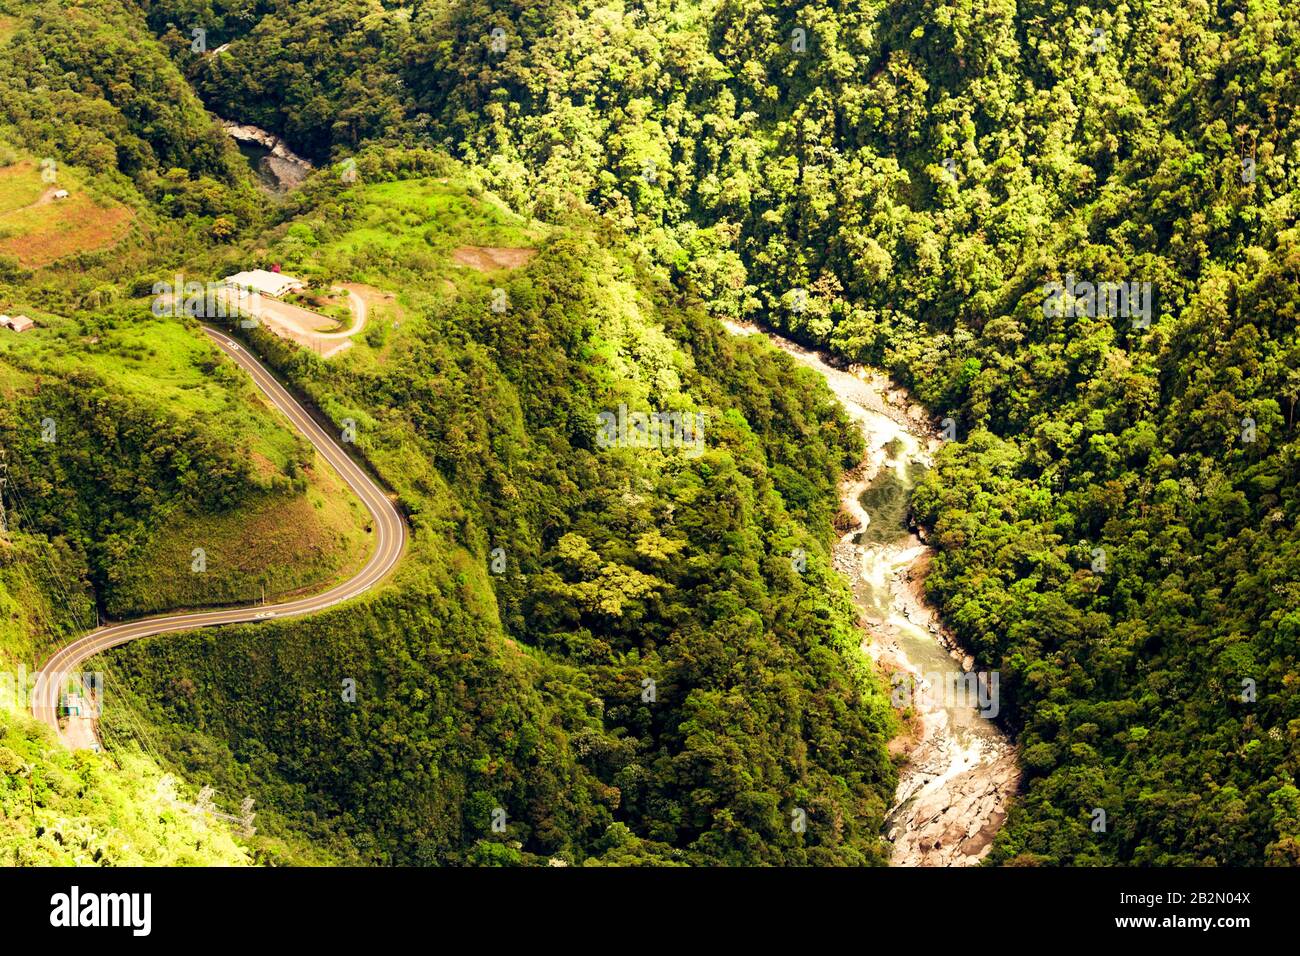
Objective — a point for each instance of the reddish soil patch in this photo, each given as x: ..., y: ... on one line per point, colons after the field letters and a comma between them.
x: 488, y: 258
x: 45, y: 232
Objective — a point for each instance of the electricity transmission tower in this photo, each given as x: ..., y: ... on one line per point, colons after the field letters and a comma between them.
x: 206, y: 804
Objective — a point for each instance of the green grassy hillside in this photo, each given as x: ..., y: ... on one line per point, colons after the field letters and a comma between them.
x: 231, y: 477
x: 159, y: 445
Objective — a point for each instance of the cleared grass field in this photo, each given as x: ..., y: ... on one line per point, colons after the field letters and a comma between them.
x: 420, y: 239
x: 156, y: 361
x: 20, y: 185
x: 275, y: 545
x: 37, y: 229
x: 431, y: 213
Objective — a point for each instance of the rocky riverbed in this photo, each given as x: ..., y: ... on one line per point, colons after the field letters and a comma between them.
x: 279, y: 168
x: 960, y: 769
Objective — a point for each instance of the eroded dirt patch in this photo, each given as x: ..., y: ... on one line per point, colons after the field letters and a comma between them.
x: 489, y: 258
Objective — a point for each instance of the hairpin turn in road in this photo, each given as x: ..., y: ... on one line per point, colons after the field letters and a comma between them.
x: 386, y: 521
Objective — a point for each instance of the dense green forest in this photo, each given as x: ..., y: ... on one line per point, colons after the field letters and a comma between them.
x: 639, y: 673
x: 898, y: 182
x: 923, y: 170
x: 95, y: 813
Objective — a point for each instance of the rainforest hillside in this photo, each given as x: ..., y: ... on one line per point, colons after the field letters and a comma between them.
x: 590, y: 654
x: 922, y: 171
x: 613, y: 649
x: 613, y: 652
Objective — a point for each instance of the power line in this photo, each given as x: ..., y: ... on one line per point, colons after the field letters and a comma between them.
x: 55, y: 582
x: 4, y: 480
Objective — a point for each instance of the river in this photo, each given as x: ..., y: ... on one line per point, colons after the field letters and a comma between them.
x: 960, y: 767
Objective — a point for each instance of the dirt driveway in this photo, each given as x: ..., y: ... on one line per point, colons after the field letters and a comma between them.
x: 307, y: 328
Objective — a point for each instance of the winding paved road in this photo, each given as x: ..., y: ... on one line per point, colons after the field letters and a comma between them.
x: 387, y: 524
